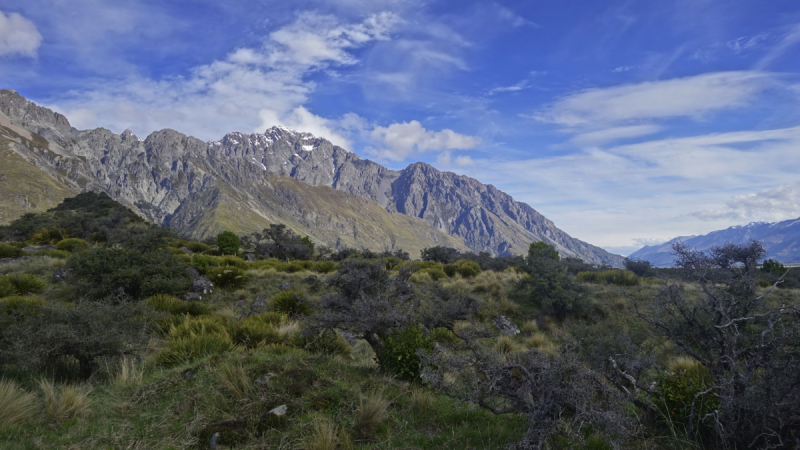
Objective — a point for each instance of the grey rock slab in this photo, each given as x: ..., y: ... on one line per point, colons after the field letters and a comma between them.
x: 506, y: 326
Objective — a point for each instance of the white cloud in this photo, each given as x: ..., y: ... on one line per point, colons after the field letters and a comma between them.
x: 746, y: 43
x: 769, y: 205
x: 680, y: 97
x: 249, y: 89
x: 788, y: 41
x: 517, y: 87
x: 18, y: 35
x: 612, y: 134
x: 401, y: 140
x: 621, y: 69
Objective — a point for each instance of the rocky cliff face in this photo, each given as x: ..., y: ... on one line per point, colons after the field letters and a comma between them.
x: 168, y: 176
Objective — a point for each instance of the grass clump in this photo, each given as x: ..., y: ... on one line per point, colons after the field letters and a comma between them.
x: 228, y: 277
x: 290, y: 303
x: 421, y: 401
x: 7, y: 288
x: 25, y: 283
x: 72, y: 245
x: 191, y: 348
x: 617, y: 277
x: 16, y: 405
x: 64, y: 401
x: 506, y: 344
x: 21, y: 306
x: 233, y: 380
x: 9, y: 251
x: 59, y: 254
x: 371, y: 413
x: 323, y: 436
x: 174, y: 305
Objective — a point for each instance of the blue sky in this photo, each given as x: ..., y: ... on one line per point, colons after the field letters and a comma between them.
x: 625, y: 122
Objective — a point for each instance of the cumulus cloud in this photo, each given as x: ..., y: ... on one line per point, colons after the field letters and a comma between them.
x: 250, y: 89
x: 18, y: 35
x: 399, y: 141
x: 680, y: 97
x: 773, y: 204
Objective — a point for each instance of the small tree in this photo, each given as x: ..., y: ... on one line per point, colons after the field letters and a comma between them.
x: 440, y: 254
x: 640, y: 267
x: 228, y: 242
x: 549, y: 286
x: 747, y: 344
x: 772, y: 266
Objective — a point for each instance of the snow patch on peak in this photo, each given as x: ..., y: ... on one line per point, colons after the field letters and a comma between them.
x: 308, y: 148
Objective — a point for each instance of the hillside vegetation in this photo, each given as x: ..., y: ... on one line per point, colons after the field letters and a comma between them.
x: 115, y: 333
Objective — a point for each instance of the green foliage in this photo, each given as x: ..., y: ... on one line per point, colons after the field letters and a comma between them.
x: 9, y: 251
x: 325, y: 266
x: 25, y: 283
x: 326, y: 342
x: 542, y: 250
x: 398, y: 353
x: 290, y: 303
x: 105, y: 271
x: 253, y: 331
x: 191, y: 348
x: 7, y: 288
x: 174, y: 305
x: 772, y: 266
x: 48, y: 235
x: 203, y: 263
x: 71, y: 340
x: 72, y: 245
x: 436, y: 274
x: 676, y: 392
x: 21, y: 306
x: 228, y: 242
x: 228, y: 277
x: 640, y: 267
x: 617, y: 277
x: 463, y: 267
x: 52, y: 253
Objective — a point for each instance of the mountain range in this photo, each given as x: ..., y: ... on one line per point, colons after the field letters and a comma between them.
x: 781, y: 239
x: 245, y: 181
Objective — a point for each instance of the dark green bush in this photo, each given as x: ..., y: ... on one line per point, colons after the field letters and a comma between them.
x: 52, y: 253
x: 191, y: 348
x: 617, y: 277
x: 325, y: 266
x: 228, y: 277
x: 72, y: 245
x: 228, y: 242
x: 676, y: 392
x: 72, y: 340
x: 398, y: 352
x: 7, y: 288
x: 463, y: 267
x: 9, y: 251
x: 436, y: 274
x: 290, y: 303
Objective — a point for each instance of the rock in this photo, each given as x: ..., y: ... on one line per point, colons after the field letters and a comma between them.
x: 259, y: 304
x: 311, y: 279
x: 59, y: 274
x: 285, y: 286
x: 30, y: 249
x: 279, y: 411
x: 192, y: 272
x: 249, y: 257
x: 240, y: 304
x: 186, y: 250
x: 506, y: 326
x: 202, y: 285
x: 191, y: 297
x: 214, y: 439
x: 264, y: 378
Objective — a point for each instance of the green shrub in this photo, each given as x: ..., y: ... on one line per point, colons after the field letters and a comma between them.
x: 48, y: 235
x: 72, y: 245
x: 60, y: 254
x: 25, y: 283
x: 19, y: 306
x: 228, y: 277
x: 398, y: 354
x: 436, y: 274
x: 290, y: 303
x: 197, y: 326
x: 203, y: 263
x: 328, y: 342
x: 7, y: 288
x: 228, y: 242
x: 174, y: 305
x: 298, y: 266
x: 676, y: 392
x: 9, y: 251
x: 191, y: 348
x: 464, y: 267
x: 325, y: 266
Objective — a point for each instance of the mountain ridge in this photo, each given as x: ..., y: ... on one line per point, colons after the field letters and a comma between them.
x: 155, y: 175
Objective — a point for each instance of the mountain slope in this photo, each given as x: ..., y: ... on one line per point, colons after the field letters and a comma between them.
x: 781, y: 239
x: 168, y: 177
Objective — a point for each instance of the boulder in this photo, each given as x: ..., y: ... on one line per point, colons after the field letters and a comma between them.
x: 311, y: 279
x: 285, y: 286
x: 192, y: 272
x: 506, y: 326
x: 191, y: 297
x: 186, y: 250
x: 202, y: 285
x: 249, y: 257
x: 60, y: 274
x: 264, y: 378
x: 259, y: 304
x: 279, y: 410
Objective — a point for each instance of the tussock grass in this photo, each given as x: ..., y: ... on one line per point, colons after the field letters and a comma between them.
x: 682, y: 364
x: 421, y: 401
x: 371, y: 413
x: 16, y: 405
x: 174, y: 305
x: 191, y: 348
x: 506, y: 344
x: 530, y: 327
x: 541, y: 342
x: 64, y: 401
x: 130, y: 371
x: 323, y: 436
x: 233, y: 380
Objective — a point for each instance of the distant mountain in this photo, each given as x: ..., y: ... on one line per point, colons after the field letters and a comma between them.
x: 781, y: 239
x: 240, y: 183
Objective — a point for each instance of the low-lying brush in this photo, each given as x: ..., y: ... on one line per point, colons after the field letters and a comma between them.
x: 72, y: 245
x: 9, y: 251
x: 25, y: 283
x: 16, y: 405
x: 617, y: 277
x: 290, y: 303
x: 191, y: 348
x: 64, y: 401
x: 228, y: 277
x: 174, y: 305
